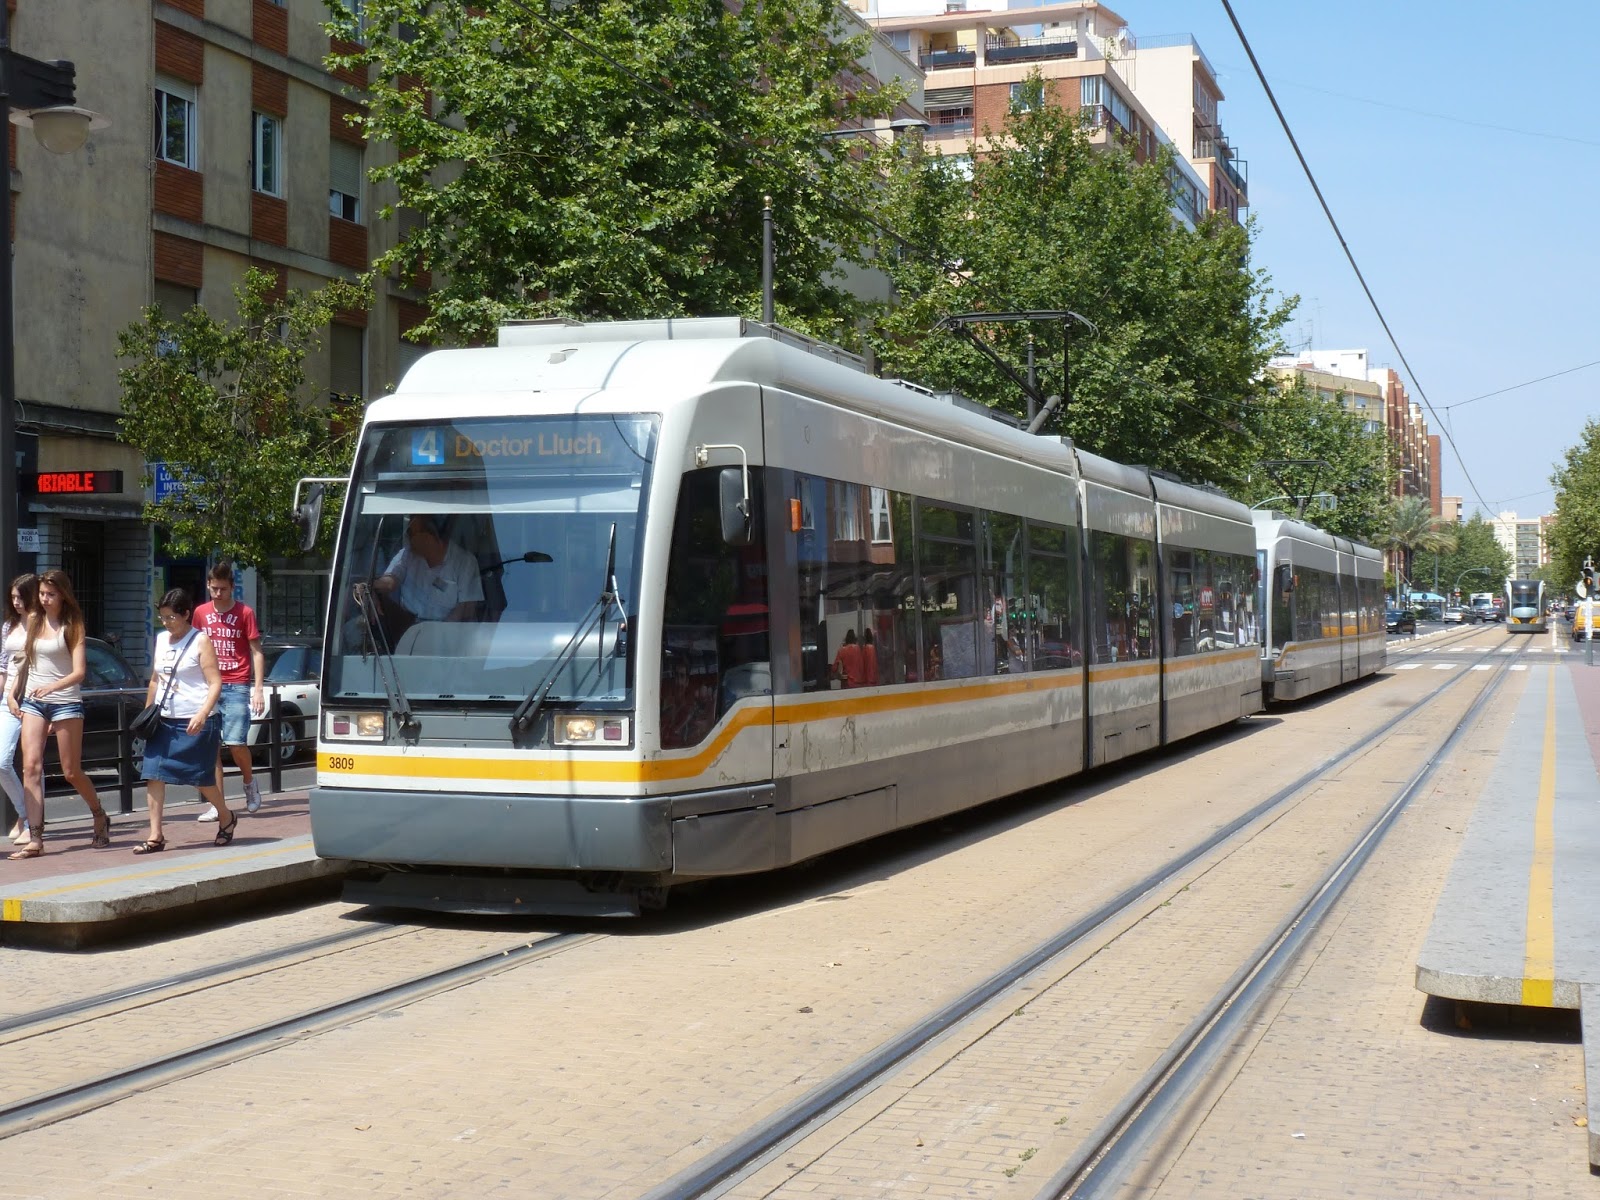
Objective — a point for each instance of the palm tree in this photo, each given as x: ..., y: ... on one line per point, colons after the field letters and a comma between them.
x: 1412, y: 527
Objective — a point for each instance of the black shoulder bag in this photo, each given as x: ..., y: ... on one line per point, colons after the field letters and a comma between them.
x: 148, y: 719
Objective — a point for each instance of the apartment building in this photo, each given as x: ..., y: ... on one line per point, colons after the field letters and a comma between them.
x: 977, y: 65
x: 1523, y: 539
x: 229, y: 148
x: 1176, y: 82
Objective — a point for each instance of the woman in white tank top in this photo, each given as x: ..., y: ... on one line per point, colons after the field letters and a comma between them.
x: 50, y: 699
x: 187, y: 683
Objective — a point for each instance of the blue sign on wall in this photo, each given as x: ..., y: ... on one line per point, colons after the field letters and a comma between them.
x: 166, y: 484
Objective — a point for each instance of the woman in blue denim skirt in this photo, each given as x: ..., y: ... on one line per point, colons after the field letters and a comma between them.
x: 187, y: 684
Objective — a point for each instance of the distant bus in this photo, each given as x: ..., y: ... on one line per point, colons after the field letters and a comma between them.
x: 1525, y: 606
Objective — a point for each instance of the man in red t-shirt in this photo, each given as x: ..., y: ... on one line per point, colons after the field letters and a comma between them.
x: 231, y: 626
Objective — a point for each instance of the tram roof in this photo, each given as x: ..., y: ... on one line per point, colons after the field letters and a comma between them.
x: 656, y: 365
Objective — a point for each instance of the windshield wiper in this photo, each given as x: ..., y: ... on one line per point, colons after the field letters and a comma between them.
x: 528, y: 711
x: 388, y: 672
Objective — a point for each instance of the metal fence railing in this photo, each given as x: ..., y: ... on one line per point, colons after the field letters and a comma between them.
x: 126, y: 760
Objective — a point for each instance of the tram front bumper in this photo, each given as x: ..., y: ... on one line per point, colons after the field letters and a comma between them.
x: 517, y: 832
x: 464, y: 829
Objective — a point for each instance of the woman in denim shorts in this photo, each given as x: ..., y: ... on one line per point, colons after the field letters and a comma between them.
x: 187, y: 683
x: 13, y: 639
x: 50, y: 699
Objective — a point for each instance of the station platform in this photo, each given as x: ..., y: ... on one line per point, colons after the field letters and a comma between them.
x: 74, y: 896
x: 1518, y: 922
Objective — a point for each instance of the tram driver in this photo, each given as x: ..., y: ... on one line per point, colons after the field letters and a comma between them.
x: 430, y: 579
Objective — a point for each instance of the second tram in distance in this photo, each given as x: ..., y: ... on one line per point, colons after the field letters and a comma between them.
x: 1525, y: 606
x: 619, y: 606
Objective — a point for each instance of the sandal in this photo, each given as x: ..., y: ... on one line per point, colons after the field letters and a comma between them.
x: 35, y: 846
x: 102, y: 830
x: 151, y: 846
x: 225, y: 832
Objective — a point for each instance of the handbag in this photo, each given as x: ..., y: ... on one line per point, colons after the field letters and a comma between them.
x: 148, y: 719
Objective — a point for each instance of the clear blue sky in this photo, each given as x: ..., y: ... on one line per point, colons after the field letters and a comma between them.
x: 1458, y: 146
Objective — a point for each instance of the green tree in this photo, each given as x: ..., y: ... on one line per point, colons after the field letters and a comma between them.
x: 1575, y: 533
x: 1412, y: 527
x: 1044, y: 220
x: 1291, y: 421
x: 609, y: 159
x: 1477, y: 560
x: 227, y: 407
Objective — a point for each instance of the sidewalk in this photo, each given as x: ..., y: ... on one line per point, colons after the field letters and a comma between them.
x: 73, y: 895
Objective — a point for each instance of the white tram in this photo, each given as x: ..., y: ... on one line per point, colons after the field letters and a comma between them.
x: 698, y: 598
x: 1324, y: 608
x: 1525, y: 612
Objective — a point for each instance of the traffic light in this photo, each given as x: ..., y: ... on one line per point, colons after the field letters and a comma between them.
x: 1586, y: 584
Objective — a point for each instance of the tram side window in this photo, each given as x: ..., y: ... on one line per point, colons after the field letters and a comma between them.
x: 1052, y: 599
x: 952, y: 648
x: 1122, y: 597
x: 856, y: 585
x: 1005, y: 624
x: 714, y: 637
x: 1179, y: 629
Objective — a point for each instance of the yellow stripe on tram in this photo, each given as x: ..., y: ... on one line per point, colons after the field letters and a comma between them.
x: 1539, y: 966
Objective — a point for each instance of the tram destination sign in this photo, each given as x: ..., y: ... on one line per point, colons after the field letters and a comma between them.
x: 540, y: 443
x: 71, y: 483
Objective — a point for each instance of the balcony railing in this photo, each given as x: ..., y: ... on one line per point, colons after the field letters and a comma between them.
x: 960, y: 127
x: 936, y: 60
x: 1029, y: 49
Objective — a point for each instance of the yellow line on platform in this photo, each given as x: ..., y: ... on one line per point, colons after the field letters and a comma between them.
x: 1539, y: 967
x: 11, y: 906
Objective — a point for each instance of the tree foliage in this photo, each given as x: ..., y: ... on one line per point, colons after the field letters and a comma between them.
x: 1291, y: 421
x: 1184, y: 326
x: 227, y: 407
x: 1412, y: 527
x: 1477, y: 560
x: 1575, y: 533
x: 608, y: 159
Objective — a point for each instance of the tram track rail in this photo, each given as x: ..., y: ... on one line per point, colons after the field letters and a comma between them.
x: 74, y: 1099
x: 759, y: 1145
x: 52, y: 1018
x: 1103, y: 1160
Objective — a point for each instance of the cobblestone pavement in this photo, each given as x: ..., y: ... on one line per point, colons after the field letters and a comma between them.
x: 603, y: 1070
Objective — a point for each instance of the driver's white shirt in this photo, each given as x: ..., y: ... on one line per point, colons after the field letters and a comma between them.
x: 432, y: 593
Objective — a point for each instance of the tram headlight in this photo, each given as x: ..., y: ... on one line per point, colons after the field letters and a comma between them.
x: 342, y: 725
x: 578, y: 729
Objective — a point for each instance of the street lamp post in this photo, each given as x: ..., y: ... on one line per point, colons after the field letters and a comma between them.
x: 40, y: 95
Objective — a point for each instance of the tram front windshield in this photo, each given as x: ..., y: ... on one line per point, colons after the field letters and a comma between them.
x: 476, y: 549
x: 1524, y: 594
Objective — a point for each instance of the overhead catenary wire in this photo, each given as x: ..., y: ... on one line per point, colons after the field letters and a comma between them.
x: 1348, y: 253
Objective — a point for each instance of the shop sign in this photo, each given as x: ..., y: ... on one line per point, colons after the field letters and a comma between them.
x: 71, y: 483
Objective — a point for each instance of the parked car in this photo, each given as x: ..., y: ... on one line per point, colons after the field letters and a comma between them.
x: 1401, y: 620
x: 294, y: 668
x: 1458, y: 614
x: 1580, y: 622
x: 109, y: 676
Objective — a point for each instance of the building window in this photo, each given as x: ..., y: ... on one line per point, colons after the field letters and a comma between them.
x: 344, y: 181
x: 267, y: 170
x: 174, y: 300
x: 175, y: 123
x: 347, y: 376
x: 1027, y: 96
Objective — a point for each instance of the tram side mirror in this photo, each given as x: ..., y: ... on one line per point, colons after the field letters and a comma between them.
x: 1285, y: 575
x: 308, y: 518
x: 737, y: 505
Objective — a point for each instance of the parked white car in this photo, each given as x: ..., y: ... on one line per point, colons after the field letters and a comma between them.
x: 294, y: 669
